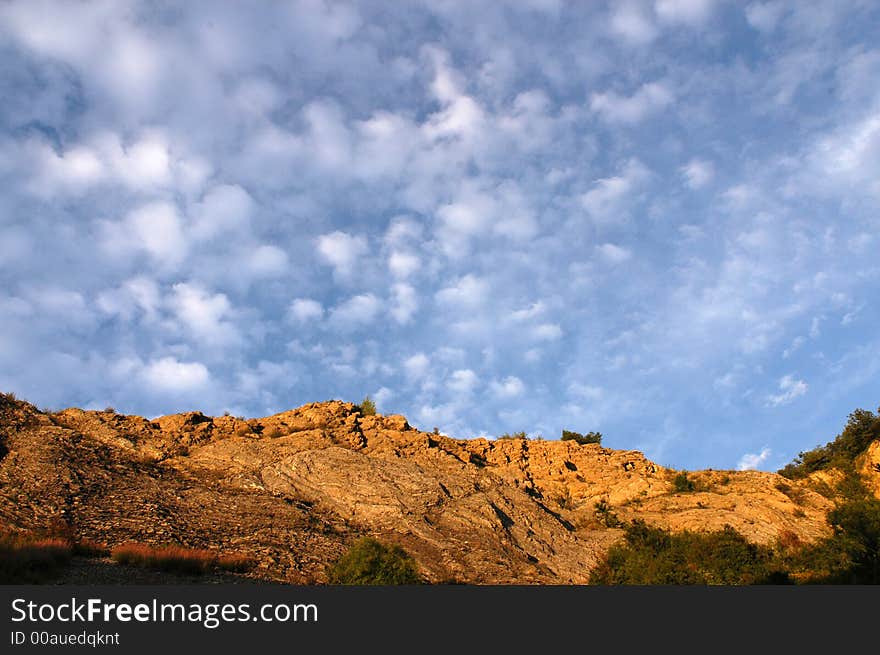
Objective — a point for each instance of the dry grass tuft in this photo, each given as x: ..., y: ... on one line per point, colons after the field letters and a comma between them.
x: 177, y: 559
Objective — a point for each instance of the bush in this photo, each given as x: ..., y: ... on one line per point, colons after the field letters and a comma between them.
x: 605, y: 515
x: 856, y: 525
x: 683, y: 483
x: 650, y: 556
x: 370, y: 562
x: 367, y: 407
x: 515, y: 435
x: 582, y: 439
x: 861, y: 429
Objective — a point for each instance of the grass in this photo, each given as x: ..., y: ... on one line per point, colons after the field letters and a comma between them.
x: 28, y: 560
x: 90, y: 548
x: 177, y: 559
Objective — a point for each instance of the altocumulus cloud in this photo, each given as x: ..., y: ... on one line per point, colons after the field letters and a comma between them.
x: 594, y: 216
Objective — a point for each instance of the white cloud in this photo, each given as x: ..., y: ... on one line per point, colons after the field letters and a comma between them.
x: 796, y: 343
x: 154, y: 229
x: 266, y: 261
x: 532, y: 311
x: 304, y: 310
x: 341, y: 251
x: 691, y: 12
x: 509, y: 387
x: 381, y: 398
x: 751, y: 461
x: 764, y: 16
x: 631, y: 21
x: 547, y: 332
x: 698, y: 173
x: 403, y: 264
x: 790, y: 389
x: 468, y: 292
x: 610, y: 198
x: 648, y: 99
x: 138, y: 293
x: 205, y: 315
x: 172, y: 376
x: 850, y: 155
x: 416, y: 366
x: 585, y: 391
x: 405, y: 302
x: 225, y: 209
x: 613, y: 254
x: 356, y: 311
x: 462, y: 381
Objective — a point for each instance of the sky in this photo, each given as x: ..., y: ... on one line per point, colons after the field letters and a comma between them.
x: 653, y: 219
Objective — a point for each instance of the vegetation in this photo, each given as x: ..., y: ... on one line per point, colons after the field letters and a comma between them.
x: 29, y: 560
x: 861, y: 429
x: 515, y: 435
x: 176, y: 559
x: 683, y: 483
x: 651, y: 555
x: 90, y: 548
x: 605, y: 515
x: 367, y: 407
x: 851, y: 555
x: 589, y: 437
x: 370, y: 562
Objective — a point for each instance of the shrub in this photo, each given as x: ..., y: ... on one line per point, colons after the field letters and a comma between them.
x: 367, y: 407
x: 861, y: 429
x: 582, y: 439
x: 515, y: 435
x: 605, y: 515
x: 370, y: 562
x: 109, y: 410
x: 683, y: 483
x: 651, y: 555
x: 563, y: 498
x: 856, y: 525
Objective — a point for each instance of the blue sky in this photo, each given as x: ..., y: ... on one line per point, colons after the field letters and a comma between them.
x: 658, y: 220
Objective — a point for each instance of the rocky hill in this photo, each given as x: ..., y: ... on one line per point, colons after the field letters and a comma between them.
x: 293, y: 490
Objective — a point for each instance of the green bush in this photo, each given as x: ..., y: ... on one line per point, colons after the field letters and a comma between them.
x: 851, y: 555
x: 683, y: 483
x: 515, y: 435
x: 605, y: 515
x: 654, y: 556
x: 370, y: 562
x: 367, y: 407
x: 589, y: 437
x: 861, y: 429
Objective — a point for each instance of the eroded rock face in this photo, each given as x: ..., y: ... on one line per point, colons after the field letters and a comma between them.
x: 293, y: 489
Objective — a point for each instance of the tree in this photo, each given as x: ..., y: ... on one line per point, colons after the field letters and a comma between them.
x: 862, y: 428
x: 367, y: 407
x: 589, y: 437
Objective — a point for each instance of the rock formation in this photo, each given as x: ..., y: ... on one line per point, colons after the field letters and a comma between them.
x: 294, y: 489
